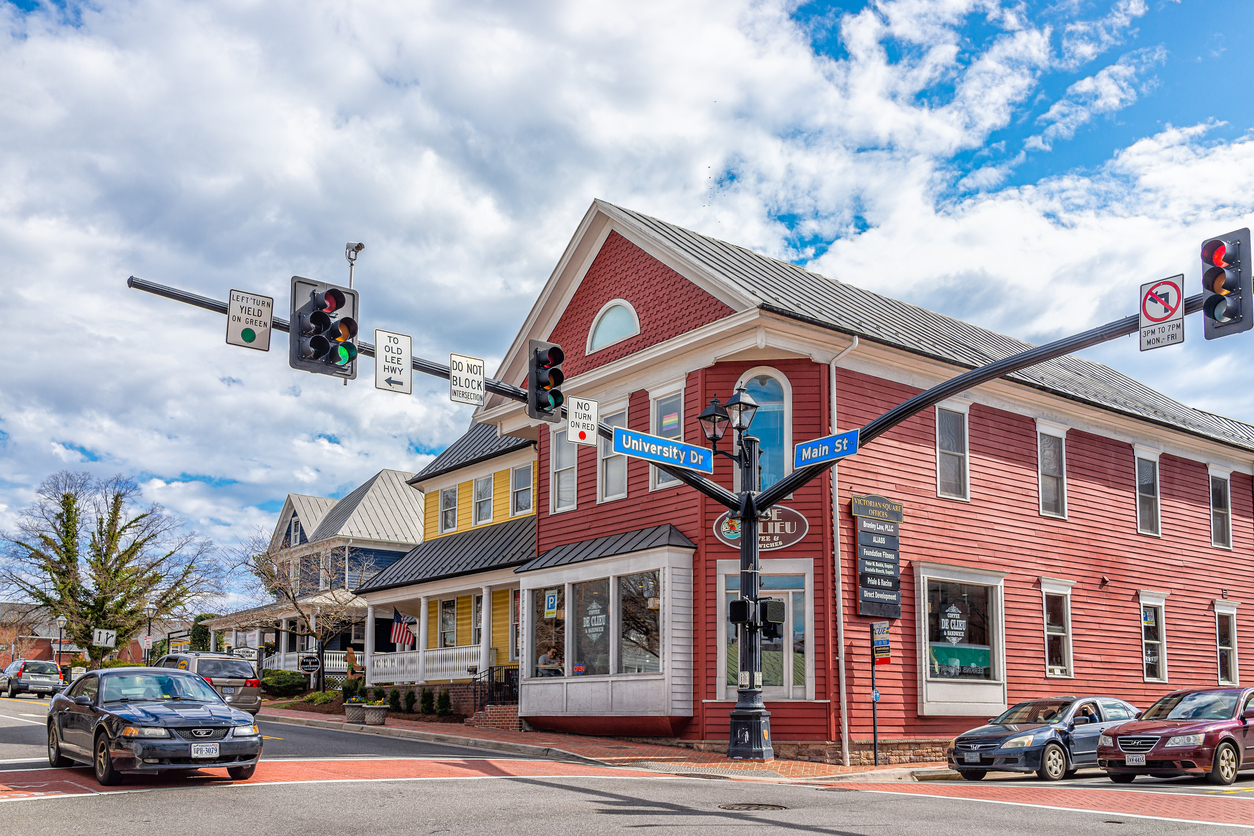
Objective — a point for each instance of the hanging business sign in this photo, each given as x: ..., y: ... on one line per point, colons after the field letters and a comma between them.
x: 879, y: 556
x: 778, y: 528
x: 877, y: 508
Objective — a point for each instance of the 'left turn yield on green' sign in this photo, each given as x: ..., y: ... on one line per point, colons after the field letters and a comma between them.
x: 249, y: 317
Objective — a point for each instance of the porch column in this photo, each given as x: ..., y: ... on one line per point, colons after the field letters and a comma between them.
x: 213, y: 641
x: 422, y: 640
x: 485, y: 630
x: 368, y: 659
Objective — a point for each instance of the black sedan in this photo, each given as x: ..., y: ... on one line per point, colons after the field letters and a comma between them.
x: 149, y: 720
x: 1051, y: 737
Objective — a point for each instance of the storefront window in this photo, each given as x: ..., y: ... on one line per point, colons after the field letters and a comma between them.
x: 958, y: 629
x: 548, y: 638
x: 783, y: 671
x: 592, y: 634
x: 640, y: 623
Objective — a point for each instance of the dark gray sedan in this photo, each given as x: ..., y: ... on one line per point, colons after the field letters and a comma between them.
x: 149, y: 720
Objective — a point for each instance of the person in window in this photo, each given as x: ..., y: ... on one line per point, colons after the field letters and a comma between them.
x: 1087, y: 711
x: 550, y: 664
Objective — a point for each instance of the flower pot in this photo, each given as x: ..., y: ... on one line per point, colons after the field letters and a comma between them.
x: 375, y: 714
x: 354, y: 713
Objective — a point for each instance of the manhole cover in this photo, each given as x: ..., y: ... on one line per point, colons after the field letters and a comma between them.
x: 752, y: 807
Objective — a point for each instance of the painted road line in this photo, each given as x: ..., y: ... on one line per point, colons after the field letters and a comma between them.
x: 268, y: 737
x: 22, y: 760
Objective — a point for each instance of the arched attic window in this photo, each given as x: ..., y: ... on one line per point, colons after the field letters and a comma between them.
x: 615, y: 322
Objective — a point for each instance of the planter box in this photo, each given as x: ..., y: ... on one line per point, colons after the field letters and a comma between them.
x: 375, y: 714
x: 354, y: 713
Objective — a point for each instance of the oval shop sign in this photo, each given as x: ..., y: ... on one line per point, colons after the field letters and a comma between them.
x: 780, y: 528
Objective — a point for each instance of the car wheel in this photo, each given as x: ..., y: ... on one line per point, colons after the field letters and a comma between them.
x: 1053, y: 763
x: 241, y: 773
x: 1224, y: 770
x: 106, y: 775
x: 55, y: 758
x: 12, y: 694
x: 1122, y: 777
x: 973, y: 774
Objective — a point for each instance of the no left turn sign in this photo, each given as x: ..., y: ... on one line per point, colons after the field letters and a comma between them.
x: 1162, y: 313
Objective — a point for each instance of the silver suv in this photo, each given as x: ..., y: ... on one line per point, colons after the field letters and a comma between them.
x: 232, y: 677
x: 31, y: 676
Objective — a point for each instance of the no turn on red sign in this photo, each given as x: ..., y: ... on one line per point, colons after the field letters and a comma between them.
x: 1162, y: 313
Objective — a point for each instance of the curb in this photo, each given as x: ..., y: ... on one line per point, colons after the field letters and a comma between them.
x: 891, y: 776
x: 431, y: 737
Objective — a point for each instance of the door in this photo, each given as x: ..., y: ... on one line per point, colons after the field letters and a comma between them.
x: 1247, y: 730
x: 783, y: 658
x: 76, y: 721
x: 1084, y: 735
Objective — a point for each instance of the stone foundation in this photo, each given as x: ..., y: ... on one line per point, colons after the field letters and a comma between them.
x: 861, y: 752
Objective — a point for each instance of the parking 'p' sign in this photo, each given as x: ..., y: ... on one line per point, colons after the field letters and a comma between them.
x: 1162, y: 313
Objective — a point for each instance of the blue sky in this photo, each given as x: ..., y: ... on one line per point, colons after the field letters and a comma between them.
x: 1024, y: 166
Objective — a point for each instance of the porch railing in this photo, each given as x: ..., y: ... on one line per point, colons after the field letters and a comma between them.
x: 498, y: 685
x: 442, y: 663
x: 332, y: 661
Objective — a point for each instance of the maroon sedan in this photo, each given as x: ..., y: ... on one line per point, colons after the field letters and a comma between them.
x: 1201, y: 732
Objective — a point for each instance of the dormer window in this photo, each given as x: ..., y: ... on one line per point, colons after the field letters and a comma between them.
x: 294, y: 538
x: 615, y: 322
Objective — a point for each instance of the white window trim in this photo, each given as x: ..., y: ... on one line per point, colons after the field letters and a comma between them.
x: 1213, y: 472
x: 963, y: 406
x: 1057, y: 586
x: 1151, y: 598
x: 1057, y: 431
x: 786, y: 385
x: 1227, y: 609
x: 675, y: 387
x: 609, y: 409
x: 1151, y: 454
x: 474, y: 499
x: 596, y: 320
x: 939, y: 697
x: 440, y: 509
x: 772, y: 566
x: 574, y: 468
x: 513, y: 492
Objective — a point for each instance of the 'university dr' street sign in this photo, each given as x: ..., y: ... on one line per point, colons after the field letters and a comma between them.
x: 653, y: 448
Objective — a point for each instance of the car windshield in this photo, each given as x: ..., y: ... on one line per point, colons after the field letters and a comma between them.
x: 135, y: 687
x: 41, y: 667
x: 1201, y: 705
x: 225, y: 669
x: 1037, y: 711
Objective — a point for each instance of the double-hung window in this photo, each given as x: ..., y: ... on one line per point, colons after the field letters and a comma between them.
x: 668, y: 422
x: 1051, y: 444
x: 1220, y: 509
x: 324, y: 570
x: 1147, y: 509
x: 483, y: 500
x: 520, y: 490
x: 1057, y: 605
x: 448, y: 623
x: 563, y: 459
x: 293, y: 576
x: 952, y: 468
x: 448, y: 509
x: 611, y: 466
x: 1226, y: 642
x: 294, y: 537
x: 476, y: 626
x: 1154, y: 635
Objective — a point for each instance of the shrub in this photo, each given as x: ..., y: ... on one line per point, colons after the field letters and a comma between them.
x: 310, y: 696
x: 352, y: 687
x: 324, y: 697
x: 410, y: 699
x: 444, y: 703
x: 380, y: 694
x: 394, y: 699
x: 284, y: 683
x: 427, y: 704
x: 120, y: 663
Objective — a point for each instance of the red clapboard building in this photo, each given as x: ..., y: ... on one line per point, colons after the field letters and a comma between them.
x: 1064, y: 531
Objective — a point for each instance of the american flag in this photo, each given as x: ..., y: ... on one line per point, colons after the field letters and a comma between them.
x: 401, y: 634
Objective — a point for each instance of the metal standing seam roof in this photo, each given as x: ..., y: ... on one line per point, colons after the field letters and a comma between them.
x: 792, y: 291
x: 483, y: 549
x: 385, y: 508
x: 610, y: 546
x: 308, y: 509
x: 479, y: 443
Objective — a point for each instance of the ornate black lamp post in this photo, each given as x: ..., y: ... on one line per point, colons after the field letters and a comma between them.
x: 150, y: 611
x: 60, y: 633
x: 750, y: 721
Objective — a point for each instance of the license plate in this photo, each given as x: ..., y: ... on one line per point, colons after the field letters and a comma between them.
x: 228, y: 689
x: 204, y: 750
x: 970, y: 757
x: 1135, y: 760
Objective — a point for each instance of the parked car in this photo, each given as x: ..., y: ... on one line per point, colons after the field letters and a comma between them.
x: 149, y: 720
x: 31, y: 676
x: 1052, y: 737
x: 1198, y: 731
x: 232, y: 677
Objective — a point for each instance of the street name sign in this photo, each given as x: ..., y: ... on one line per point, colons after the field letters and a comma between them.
x: 393, y: 362
x: 103, y: 638
x: 660, y: 450
x: 581, y: 421
x: 826, y: 449
x: 465, y: 379
x: 249, y: 318
x: 1162, y: 313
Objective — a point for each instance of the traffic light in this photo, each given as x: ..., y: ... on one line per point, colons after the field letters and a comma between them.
x: 544, y: 398
x: 323, y: 339
x: 1228, y: 297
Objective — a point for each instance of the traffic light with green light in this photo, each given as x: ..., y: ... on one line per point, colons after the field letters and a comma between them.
x: 544, y: 398
x: 1227, y: 291
x: 323, y: 338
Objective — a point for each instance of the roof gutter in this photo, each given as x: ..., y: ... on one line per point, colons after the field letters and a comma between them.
x: 843, y: 696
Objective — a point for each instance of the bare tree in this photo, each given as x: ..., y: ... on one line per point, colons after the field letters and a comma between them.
x: 17, y: 627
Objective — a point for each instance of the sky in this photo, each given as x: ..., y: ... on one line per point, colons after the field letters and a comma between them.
x: 1021, y: 165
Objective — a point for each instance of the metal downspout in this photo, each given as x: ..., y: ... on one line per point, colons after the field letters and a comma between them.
x: 840, y: 589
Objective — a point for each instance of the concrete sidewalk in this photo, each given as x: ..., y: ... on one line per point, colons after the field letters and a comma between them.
x: 610, y: 751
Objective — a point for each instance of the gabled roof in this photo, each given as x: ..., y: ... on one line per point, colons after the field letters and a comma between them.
x: 480, y: 443
x: 385, y: 508
x: 477, y: 550
x: 308, y: 509
x: 610, y: 546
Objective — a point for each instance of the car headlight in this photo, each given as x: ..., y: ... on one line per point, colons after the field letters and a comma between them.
x: 1185, y: 740
x: 1021, y: 742
x: 1105, y: 740
x: 246, y: 731
x: 144, y: 731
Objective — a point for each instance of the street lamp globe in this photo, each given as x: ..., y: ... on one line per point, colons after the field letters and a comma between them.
x: 741, y: 407
x: 61, y: 620
x: 150, y: 610
x: 714, y: 420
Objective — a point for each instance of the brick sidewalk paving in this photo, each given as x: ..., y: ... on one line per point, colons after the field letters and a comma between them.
x: 617, y: 752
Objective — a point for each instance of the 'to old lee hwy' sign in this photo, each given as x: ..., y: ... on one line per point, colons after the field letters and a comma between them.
x: 660, y: 450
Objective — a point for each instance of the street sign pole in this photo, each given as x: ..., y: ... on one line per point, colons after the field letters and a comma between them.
x: 875, y: 709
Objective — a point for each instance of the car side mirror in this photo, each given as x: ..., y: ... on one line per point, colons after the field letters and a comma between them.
x: 82, y: 699
x: 1082, y: 720
x: 1248, y: 714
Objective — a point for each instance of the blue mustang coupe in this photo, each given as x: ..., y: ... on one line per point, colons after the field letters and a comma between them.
x: 149, y: 720
x: 1052, y: 737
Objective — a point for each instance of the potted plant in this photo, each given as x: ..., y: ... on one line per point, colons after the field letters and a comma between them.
x: 355, y: 710
x: 376, y: 712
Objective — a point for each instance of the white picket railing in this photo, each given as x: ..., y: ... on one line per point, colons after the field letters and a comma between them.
x: 332, y: 661
x: 393, y: 667
x: 442, y: 663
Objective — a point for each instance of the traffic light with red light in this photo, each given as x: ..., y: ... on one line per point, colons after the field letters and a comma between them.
x: 1228, y: 294
x: 544, y: 398
x: 323, y: 338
